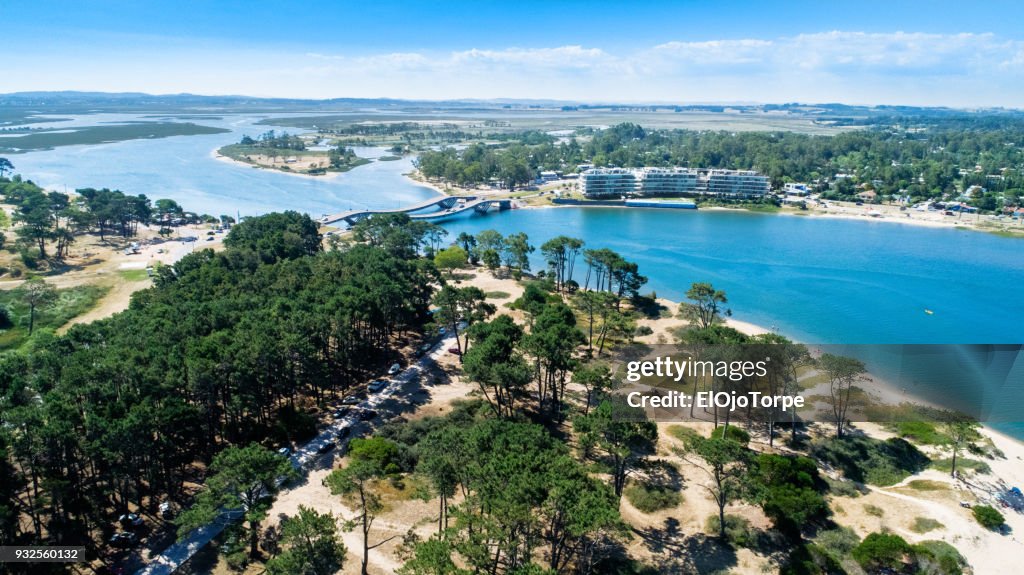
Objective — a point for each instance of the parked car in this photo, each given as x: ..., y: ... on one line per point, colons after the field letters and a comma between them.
x: 124, y: 539
x: 130, y: 520
x: 455, y: 350
x: 284, y: 451
x: 442, y: 330
x: 329, y: 446
x: 165, y: 510
x: 367, y: 414
x: 376, y: 386
x: 340, y: 412
x: 350, y: 400
x: 395, y: 368
x: 343, y: 433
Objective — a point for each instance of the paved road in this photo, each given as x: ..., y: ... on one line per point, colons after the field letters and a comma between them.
x: 174, y: 556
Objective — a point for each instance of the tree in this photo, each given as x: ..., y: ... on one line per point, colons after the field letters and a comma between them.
x: 623, y: 433
x: 287, y: 235
x: 36, y: 293
x: 451, y: 259
x: 6, y: 167
x: 495, y: 365
x: 468, y: 243
x: 962, y: 433
x: 312, y: 545
x: 726, y: 463
x: 355, y: 483
x: 843, y: 373
x: 455, y: 305
x: 707, y: 304
x: 595, y: 378
x: 552, y: 342
x: 561, y: 253
x: 491, y: 259
x: 517, y: 252
x: 240, y: 477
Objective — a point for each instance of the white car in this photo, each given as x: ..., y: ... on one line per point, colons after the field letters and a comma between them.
x: 395, y: 368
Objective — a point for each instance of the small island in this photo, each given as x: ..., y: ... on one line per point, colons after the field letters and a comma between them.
x: 290, y: 153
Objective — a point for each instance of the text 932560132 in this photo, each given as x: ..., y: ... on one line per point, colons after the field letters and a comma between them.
x: 40, y: 554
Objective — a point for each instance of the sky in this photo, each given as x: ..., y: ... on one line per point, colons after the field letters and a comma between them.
x: 939, y: 53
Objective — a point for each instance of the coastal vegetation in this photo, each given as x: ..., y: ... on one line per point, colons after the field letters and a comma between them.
x: 937, y: 161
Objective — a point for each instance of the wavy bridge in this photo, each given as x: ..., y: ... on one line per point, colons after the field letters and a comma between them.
x: 446, y: 206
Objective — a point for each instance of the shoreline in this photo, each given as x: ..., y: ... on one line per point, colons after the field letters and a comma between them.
x: 880, y: 390
x: 1006, y: 231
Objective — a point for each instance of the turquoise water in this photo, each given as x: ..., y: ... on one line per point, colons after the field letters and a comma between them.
x: 817, y: 279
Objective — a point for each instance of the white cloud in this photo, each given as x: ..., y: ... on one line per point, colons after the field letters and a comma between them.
x: 859, y: 67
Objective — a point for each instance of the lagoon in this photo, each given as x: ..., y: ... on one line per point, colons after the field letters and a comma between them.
x: 817, y: 280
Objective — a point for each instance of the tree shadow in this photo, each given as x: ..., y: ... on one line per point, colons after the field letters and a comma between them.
x: 687, y: 554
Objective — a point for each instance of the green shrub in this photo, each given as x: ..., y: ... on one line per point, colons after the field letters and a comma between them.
x: 650, y: 498
x: 880, y: 551
x: 867, y: 460
x: 838, y: 542
x: 925, y: 524
x: 841, y: 488
x: 497, y: 295
x: 5, y: 317
x: 938, y: 557
x: 644, y: 330
x: 737, y: 529
x: 988, y: 516
x: 810, y: 559
x: 732, y: 432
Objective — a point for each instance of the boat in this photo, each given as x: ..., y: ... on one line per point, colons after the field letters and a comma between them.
x: 929, y: 312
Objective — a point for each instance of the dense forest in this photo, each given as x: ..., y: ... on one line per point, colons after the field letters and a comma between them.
x: 941, y: 160
x: 119, y: 412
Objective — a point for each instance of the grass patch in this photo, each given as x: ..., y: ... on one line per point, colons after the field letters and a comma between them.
x: 134, y: 275
x: 497, y: 295
x: 927, y: 485
x: 962, y: 464
x: 874, y: 510
x: 67, y: 304
x: 925, y: 524
x: 684, y: 434
x: 920, y: 432
x: 650, y: 498
x: 388, y: 158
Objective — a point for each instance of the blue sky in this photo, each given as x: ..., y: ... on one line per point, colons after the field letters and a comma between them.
x: 933, y: 53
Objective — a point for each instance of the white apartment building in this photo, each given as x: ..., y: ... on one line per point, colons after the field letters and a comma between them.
x: 618, y: 182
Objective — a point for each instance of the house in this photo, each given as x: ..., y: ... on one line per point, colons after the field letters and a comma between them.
x: 867, y: 196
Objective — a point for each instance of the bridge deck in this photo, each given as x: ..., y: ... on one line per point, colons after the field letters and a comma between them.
x: 469, y: 202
